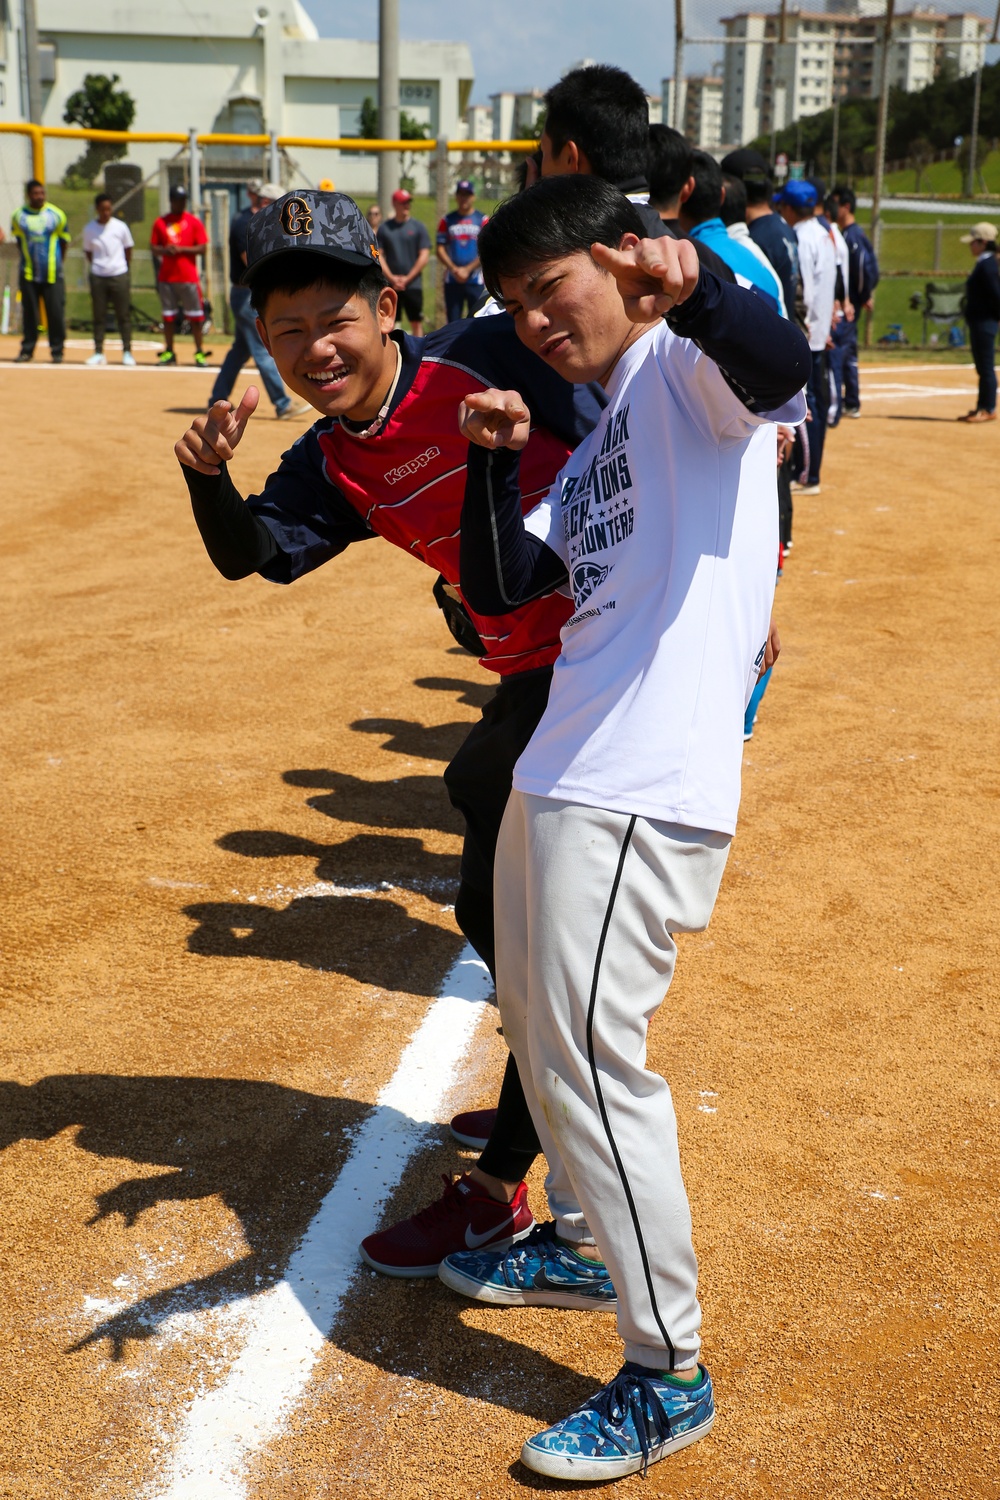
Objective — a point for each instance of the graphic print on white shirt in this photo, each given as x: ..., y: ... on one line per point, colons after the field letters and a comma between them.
x: 667, y: 519
x: 597, y: 512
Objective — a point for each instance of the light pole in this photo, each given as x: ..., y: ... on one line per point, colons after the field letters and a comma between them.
x: 388, y: 100
x: 678, y: 65
x: 834, y: 149
x: 880, y: 133
x: 976, y: 97
x: 29, y: 38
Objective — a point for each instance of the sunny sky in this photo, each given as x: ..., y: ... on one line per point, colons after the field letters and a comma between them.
x: 529, y: 43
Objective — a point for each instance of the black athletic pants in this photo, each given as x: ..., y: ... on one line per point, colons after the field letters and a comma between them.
x: 479, y: 781
x: 53, y: 294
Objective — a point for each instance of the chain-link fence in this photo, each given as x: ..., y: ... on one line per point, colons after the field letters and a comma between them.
x: 216, y: 170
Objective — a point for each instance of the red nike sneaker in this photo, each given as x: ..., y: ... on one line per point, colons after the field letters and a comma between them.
x: 465, y: 1217
x: 473, y: 1127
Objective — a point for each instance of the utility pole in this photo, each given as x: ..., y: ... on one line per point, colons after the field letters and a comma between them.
x: 388, y: 100
x: 976, y: 96
x: 678, y: 121
x: 29, y: 16
x: 834, y: 150
x: 883, y: 120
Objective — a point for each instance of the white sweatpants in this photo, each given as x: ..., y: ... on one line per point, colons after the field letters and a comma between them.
x: 586, y: 901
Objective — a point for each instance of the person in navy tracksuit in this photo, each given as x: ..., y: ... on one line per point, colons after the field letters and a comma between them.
x: 862, y: 279
x: 982, y: 312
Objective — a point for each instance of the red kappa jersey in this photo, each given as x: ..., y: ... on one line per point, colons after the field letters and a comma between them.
x: 413, y: 497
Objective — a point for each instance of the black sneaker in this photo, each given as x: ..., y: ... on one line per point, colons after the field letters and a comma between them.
x: 23, y: 359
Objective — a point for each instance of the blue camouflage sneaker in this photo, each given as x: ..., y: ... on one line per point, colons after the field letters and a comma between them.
x: 538, y: 1271
x: 638, y: 1418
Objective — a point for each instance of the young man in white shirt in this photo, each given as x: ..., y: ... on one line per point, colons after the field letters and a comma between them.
x: 108, y: 245
x: 818, y: 268
x: 663, y: 526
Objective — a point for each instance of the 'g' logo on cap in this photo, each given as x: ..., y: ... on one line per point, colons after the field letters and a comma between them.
x: 296, y: 217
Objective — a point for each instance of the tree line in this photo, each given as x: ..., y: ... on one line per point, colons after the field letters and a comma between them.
x: 920, y: 126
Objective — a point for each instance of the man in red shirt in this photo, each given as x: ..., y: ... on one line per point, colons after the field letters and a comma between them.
x: 178, y: 238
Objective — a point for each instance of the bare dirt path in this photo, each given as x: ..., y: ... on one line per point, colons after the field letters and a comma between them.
x: 226, y: 883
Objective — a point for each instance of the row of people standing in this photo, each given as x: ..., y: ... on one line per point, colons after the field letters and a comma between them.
x: 807, y: 241
x: 405, y: 248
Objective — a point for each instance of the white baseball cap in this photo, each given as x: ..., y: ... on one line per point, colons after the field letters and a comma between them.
x: 983, y: 231
x: 271, y: 191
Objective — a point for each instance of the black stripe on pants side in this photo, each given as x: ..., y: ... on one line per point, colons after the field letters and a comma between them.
x: 600, y: 1096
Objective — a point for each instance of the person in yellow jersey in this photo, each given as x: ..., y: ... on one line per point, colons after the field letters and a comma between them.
x: 40, y: 231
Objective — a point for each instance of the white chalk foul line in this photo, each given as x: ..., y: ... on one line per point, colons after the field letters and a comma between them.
x: 284, y: 1329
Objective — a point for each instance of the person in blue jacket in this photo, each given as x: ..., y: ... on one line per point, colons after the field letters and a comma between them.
x: 700, y: 217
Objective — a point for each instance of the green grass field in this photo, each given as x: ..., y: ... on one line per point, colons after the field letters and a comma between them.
x: 910, y: 247
x: 941, y: 177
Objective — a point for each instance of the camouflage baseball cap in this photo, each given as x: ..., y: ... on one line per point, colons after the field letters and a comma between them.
x: 328, y: 224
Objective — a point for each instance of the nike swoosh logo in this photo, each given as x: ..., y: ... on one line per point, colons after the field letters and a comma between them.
x: 542, y: 1283
x: 475, y: 1241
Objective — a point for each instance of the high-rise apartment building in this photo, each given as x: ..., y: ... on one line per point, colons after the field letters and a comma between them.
x: 701, y: 109
x: 829, y: 54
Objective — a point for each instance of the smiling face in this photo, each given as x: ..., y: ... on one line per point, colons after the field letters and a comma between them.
x: 331, y: 348
x: 570, y: 313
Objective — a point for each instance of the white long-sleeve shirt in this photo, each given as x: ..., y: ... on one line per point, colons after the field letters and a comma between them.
x: 818, y: 265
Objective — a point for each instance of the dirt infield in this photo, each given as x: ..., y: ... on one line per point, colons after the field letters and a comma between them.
x: 229, y: 862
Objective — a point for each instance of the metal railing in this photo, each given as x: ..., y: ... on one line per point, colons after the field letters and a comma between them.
x: 38, y: 134
x: 216, y: 271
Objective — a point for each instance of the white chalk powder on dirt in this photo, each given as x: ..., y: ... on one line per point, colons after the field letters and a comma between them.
x: 282, y: 1330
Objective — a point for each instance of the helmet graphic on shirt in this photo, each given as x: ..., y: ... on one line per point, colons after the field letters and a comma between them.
x: 586, y: 578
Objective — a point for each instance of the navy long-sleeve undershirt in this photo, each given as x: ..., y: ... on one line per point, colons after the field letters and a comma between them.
x: 764, y: 359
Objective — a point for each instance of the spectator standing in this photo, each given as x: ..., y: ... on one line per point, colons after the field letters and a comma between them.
x: 374, y: 216
x: 458, y: 252
x: 108, y: 246
x: 404, y: 249
x: 40, y: 231
x: 668, y: 171
x: 818, y: 268
x: 767, y: 229
x: 177, y: 240
x: 982, y: 312
x: 862, y: 279
x: 701, y: 217
x: 734, y: 216
x: 247, y: 342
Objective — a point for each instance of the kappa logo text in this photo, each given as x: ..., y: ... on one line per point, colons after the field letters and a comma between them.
x: 296, y: 217
x: 413, y: 467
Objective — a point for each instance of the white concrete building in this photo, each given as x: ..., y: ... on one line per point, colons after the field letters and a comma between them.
x: 479, y: 122
x: 830, y: 54
x: 235, y: 65
x: 701, y: 110
x: 515, y: 114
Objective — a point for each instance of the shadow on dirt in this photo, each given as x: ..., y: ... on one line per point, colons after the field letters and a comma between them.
x: 271, y: 1154
x: 370, y: 939
x: 365, y: 862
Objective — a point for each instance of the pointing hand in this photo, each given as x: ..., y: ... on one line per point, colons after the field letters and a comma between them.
x: 494, y: 419
x: 211, y: 440
x: 652, y: 275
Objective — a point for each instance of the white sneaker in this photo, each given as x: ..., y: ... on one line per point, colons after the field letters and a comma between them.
x: 293, y: 411
x: 96, y: 359
x: 128, y: 358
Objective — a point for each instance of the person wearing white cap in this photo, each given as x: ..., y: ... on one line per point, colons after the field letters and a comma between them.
x: 982, y: 313
x: 247, y: 343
